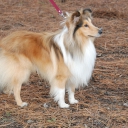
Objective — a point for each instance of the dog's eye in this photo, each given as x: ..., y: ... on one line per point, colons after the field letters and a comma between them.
x: 85, y: 25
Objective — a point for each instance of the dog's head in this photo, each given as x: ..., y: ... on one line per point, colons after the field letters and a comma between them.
x: 80, y: 23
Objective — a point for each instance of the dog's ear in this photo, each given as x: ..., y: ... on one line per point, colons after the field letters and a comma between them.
x: 86, y: 13
x: 76, y: 18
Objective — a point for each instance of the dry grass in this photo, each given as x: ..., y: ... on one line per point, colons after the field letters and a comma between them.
x: 104, y: 103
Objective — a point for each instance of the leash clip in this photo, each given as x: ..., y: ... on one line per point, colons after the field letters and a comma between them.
x: 62, y: 14
x: 57, y: 8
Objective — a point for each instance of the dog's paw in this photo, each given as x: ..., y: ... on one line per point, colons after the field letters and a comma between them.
x: 64, y: 105
x: 73, y: 101
x: 24, y: 104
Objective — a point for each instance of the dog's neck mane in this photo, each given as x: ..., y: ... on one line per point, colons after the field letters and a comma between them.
x: 79, y: 60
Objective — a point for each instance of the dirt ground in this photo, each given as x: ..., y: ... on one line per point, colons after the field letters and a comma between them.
x: 102, y: 104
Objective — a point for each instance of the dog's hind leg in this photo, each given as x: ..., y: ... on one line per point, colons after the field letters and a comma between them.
x: 17, y: 82
x: 16, y: 91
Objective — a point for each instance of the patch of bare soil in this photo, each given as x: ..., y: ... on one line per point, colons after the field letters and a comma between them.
x: 102, y: 104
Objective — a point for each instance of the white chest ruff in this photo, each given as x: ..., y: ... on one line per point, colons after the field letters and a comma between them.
x: 81, y: 67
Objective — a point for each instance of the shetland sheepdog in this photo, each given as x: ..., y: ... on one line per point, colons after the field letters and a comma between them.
x: 66, y: 58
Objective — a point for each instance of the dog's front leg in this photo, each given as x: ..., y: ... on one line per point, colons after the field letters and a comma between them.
x: 71, y: 92
x: 58, y: 92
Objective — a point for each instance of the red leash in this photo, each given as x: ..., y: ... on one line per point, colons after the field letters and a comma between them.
x: 57, y: 8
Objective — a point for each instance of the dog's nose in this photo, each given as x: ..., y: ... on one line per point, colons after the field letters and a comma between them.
x: 100, y: 31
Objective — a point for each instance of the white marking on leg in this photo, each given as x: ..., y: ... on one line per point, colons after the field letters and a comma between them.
x: 72, y: 99
x: 59, y: 95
